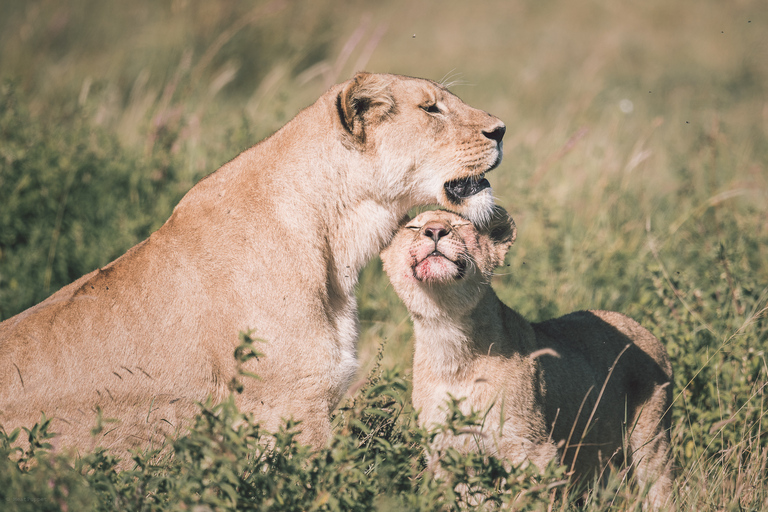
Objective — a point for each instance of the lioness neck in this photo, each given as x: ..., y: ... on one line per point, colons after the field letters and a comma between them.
x: 450, y: 344
x: 358, y: 219
x: 328, y: 189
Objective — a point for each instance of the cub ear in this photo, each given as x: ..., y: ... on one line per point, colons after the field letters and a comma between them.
x: 405, y: 220
x: 502, y: 231
x: 401, y: 225
x: 363, y: 102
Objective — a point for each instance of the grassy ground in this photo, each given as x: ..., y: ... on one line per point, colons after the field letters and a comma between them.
x: 635, y: 166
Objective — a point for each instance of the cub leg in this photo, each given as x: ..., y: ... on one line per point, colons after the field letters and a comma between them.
x: 650, y: 449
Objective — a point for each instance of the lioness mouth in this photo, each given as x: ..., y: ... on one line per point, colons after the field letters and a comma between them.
x: 460, y: 189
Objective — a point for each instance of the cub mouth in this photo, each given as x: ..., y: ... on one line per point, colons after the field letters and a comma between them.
x: 458, y: 190
x: 426, y: 272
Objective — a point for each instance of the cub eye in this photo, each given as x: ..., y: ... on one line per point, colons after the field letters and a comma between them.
x: 413, y: 227
x: 431, y: 109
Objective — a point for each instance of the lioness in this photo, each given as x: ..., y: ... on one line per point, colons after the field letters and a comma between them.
x: 572, y: 387
x: 272, y: 241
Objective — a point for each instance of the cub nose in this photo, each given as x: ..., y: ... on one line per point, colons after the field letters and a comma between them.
x: 496, y: 133
x: 435, y: 231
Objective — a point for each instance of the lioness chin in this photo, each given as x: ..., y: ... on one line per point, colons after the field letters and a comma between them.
x: 589, y: 389
x: 272, y: 241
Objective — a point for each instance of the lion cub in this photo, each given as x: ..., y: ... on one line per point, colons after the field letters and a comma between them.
x: 572, y: 388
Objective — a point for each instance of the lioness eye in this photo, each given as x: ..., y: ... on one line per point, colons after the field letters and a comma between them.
x: 432, y: 109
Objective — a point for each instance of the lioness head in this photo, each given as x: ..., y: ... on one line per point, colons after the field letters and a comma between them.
x: 423, y: 143
x: 441, y: 259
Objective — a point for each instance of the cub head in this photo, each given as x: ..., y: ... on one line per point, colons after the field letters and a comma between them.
x: 421, y: 143
x: 440, y: 260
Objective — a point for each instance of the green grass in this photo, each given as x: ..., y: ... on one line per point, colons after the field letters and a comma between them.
x: 635, y: 168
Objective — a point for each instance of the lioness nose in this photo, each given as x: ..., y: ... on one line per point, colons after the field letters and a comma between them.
x: 436, y: 231
x: 496, y: 133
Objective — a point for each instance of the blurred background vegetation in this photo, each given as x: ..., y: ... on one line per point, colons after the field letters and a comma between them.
x: 635, y: 161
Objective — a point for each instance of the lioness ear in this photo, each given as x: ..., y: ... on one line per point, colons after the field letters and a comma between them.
x: 364, y: 101
x: 502, y: 231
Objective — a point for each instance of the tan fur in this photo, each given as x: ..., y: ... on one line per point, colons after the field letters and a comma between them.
x: 273, y: 241
x: 568, y: 388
